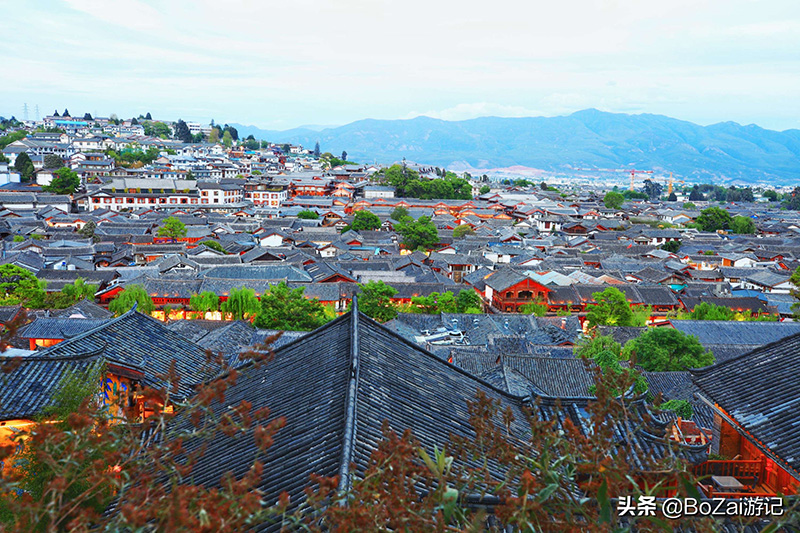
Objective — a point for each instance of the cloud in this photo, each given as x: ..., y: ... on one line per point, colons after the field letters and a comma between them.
x: 477, y: 109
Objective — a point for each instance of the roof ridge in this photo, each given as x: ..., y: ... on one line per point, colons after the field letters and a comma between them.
x: 706, y: 369
x: 351, y: 400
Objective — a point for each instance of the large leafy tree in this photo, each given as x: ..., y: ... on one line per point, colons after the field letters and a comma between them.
x: 461, y: 230
x: 172, y: 228
x: 613, y: 200
x: 667, y: 350
x: 242, y: 303
x: 204, y: 302
x: 365, y: 220
x: 65, y: 181
x: 742, y: 225
x: 133, y: 294
x: 288, y: 309
x: 182, y: 132
x: 24, y: 166
x: 435, y: 302
x: 468, y: 301
x: 19, y: 286
x: 611, y: 309
x: 713, y: 219
x: 418, y: 234
x: 375, y: 301
x: 308, y: 214
x: 53, y: 161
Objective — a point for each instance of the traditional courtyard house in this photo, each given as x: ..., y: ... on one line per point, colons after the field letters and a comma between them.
x: 508, y: 290
x: 45, y: 332
x: 755, y: 422
x: 135, y: 193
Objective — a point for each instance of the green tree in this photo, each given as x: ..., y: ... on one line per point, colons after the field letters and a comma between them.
x: 182, y: 132
x: 79, y: 290
x: 689, y: 206
x: 308, y: 214
x: 125, y: 300
x: 671, y: 246
x: 365, y: 220
x: 611, y: 309
x: 213, y: 137
x: 709, y: 311
x: 468, y: 301
x: 462, y: 230
x: 14, y: 136
x: 205, y: 302
x: 87, y: 231
x: 771, y: 195
x: 53, y: 161
x: 242, y: 303
x: 316, y: 150
x: 672, y: 197
x: 534, y: 308
x: 399, y: 213
x: 435, y: 303
x: 283, y: 308
x: 18, y: 286
x: 227, y: 139
x: 613, y: 200
x: 742, y: 226
x: 484, y: 189
x: 591, y: 347
x: 681, y: 408
x: 713, y: 219
x: 375, y: 301
x: 24, y: 166
x: 172, y: 228
x: 65, y: 181
x: 419, y: 234
x: 667, y: 350
x: 214, y: 245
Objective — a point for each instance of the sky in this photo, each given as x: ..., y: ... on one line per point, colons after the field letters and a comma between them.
x: 279, y: 65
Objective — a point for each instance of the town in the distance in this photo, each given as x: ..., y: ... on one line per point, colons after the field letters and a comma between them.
x: 348, y: 296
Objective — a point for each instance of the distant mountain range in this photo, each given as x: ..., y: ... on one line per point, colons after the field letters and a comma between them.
x: 726, y: 152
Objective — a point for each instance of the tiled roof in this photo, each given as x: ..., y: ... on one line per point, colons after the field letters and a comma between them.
x: 760, y: 392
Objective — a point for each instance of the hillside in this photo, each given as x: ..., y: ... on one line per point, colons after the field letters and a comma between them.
x: 586, y: 139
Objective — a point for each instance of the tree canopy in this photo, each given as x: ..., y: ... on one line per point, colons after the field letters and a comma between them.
x: 462, y: 230
x: 24, y: 166
x: 241, y: 304
x: 713, y: 219
x: 172, y: 228
x: 308, y: 214
x: 743, y: 225
x: 205, y: 302
x: 667, y: 350
x: 418, y: 234
x: 18, y: 286
x: 133, y: 294
x: 283, y: 308
x: 375, y: 301
x: 408, y: 184
x: 65, y: 181
x: 53, y: 161
x: 611, y: 309
x: 613, y: 200
x: 365, y: 220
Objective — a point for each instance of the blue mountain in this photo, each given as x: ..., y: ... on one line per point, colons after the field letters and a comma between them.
x: 724, y: 152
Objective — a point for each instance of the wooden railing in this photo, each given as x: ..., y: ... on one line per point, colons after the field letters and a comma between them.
x: 749, y: 473
x: 737, y: 469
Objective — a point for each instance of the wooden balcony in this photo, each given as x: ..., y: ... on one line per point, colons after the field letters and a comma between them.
x: 750, y: 474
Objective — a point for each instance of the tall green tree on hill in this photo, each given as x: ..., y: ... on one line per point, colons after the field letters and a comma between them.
x: 24, y: 166
x: 613, y: 200
x: 283, y: 308
x: 227, y: 139
x: 172, y: 228
x: 182, y: 132
x: 316, y: 150
x: 65, y: 181
x: 420, y: 234
x: 53, y: 161
x: 344, y: 155
x: 375, y: 301
x: 714, y: 219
